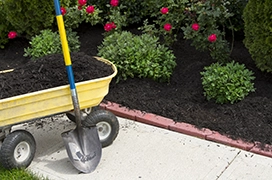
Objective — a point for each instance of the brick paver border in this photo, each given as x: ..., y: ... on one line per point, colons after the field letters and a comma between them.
x: 185, y: 128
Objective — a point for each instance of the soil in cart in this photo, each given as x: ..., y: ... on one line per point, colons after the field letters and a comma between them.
x: 182, y: 99
x: 48, y: 72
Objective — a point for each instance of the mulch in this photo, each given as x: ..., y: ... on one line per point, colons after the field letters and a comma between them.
x: 49, y: 72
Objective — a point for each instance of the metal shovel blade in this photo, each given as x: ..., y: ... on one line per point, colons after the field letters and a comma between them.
x: 83, y: 148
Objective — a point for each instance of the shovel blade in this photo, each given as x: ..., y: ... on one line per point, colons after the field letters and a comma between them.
x: 83, y: 148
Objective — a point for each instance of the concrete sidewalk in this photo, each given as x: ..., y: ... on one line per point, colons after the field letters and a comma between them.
x: 142, y: 151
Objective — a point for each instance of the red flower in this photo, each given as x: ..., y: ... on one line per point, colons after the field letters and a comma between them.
x: 167, y: 27
x: 90, y: 9
x: 82, y: 2
x: 164, y: 10
x: 109, y: 26
x: 212, y: 38
x: 63, y: 10
x: 195, y: 27
x: 12, y: 35
x: 114, y: 3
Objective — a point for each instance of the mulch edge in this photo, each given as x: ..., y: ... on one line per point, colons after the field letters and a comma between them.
x: 185, y: 128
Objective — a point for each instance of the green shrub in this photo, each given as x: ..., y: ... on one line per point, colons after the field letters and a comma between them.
x: 68, y: 3
x: 132, y: 8
x: 258, y: 32
x: 74, y: 17
x: 210, y: 15
x: 29, y: 17
x: 48, y: 42
x: 174, y: 17
x: 138, y: 56
x: 227, y: 83
x: 4, y: 26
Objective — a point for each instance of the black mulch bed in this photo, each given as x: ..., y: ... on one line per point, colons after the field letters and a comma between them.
x: 182, y: 99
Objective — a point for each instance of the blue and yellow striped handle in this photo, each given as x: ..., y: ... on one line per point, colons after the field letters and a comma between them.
x: 68, y: 62
x: 64, y: 42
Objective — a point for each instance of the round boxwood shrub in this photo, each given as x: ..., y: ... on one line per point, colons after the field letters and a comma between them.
x: 227, y: 83
x: 258, y: 32
x: 138, y: 56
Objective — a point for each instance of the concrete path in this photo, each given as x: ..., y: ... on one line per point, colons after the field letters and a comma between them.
x: 145, y: 152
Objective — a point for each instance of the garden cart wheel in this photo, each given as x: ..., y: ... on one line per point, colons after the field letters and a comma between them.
x: 107, y: 125
x: 17, y: 150
x: 84, y: 113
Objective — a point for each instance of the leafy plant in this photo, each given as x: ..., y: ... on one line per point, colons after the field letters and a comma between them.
x: 48, y: 42
x: 29, y: 17
x: 171, y: 16
x: 166, y: 19
x: 68, y: 3
x: 132, y: 9
x: 75, y: 16
x: 258, y: 32
x: 115, y: 19
x: 138, y: 56
x: 209, y: 15
x: 227, y: 83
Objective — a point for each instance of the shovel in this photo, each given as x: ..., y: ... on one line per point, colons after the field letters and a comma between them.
x: 82, y: 144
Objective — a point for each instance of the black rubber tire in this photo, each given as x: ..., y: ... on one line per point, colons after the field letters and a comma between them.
x: 73, y: 118
x: 17, y: 150
x: 107, y: 125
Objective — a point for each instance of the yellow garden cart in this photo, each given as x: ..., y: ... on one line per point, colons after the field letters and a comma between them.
x: 17, y: 148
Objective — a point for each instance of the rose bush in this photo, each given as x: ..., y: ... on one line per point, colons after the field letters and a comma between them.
x: 80, y: 13
x: 166, y: 19
x: 210, y: 15
x: 200, y: 21
x: 116, y: 19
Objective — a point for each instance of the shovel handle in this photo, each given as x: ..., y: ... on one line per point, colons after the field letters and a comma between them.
x: 67, y: 61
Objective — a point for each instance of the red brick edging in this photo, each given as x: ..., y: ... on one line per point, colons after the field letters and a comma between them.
x: 185, y: 128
